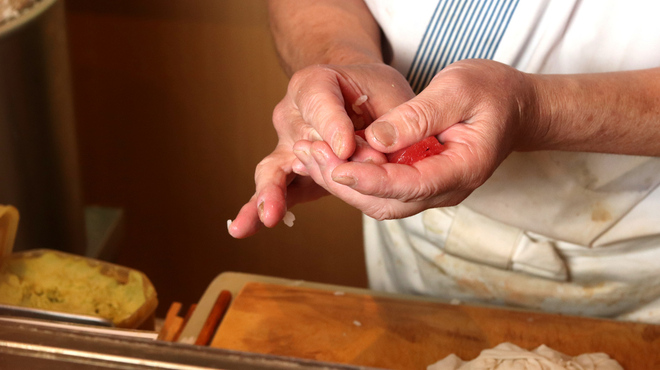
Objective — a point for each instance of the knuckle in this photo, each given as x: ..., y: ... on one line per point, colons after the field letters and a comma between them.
x: 268, y: 164
x: 417, y: 116
x: 463, y: 78
x: 379, y: 214
x: 262, y: 165
x: 280, y: 114
x: 298, y: 78
x: 457, y: 75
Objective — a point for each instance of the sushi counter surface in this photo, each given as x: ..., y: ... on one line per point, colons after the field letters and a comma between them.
x: 365, y: 328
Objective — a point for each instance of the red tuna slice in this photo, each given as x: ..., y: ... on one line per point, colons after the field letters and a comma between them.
x: 416, y: 152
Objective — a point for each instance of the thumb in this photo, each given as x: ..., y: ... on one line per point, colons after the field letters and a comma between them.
x: 423, y: 116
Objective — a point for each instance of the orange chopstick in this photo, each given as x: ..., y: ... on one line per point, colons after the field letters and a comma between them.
x: 214, y: 318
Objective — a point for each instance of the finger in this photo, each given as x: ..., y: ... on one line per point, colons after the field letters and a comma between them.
x: 303, y: 189
x: 271, y: 179
x: 290, y: 125
x: 379, y: 208
x: 247, y: 221
x: 365, y: 153
x: 303, y: 151
x: 299, y: 168
x: 324, y: 163
x: 319, y: 98
x: 433, y: 179
x: 428, y: 114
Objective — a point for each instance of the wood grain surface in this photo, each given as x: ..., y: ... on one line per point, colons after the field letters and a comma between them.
x: 408, y: 334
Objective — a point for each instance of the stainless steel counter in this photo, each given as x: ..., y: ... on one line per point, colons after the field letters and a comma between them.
x: 36, y: 347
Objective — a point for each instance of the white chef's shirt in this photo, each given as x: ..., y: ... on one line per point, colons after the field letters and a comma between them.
x: 576, y: 233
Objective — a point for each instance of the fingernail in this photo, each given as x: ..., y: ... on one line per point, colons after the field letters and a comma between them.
x: 260, y: 209
x: 302, y: 155
x: 320, y: 158
x: 337, y: 144
x: 345, y: 180
x: 384, y: 132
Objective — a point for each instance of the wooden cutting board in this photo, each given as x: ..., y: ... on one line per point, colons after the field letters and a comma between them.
x: 408, y: 334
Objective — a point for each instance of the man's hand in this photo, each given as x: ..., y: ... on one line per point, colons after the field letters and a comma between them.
x: 320, y: 105
x: 480, y: 110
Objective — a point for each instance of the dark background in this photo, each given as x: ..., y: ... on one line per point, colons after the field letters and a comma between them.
x: 173, y: 103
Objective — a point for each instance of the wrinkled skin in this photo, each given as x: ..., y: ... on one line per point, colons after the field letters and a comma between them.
x: 317, y: 108
x: 479, y: 109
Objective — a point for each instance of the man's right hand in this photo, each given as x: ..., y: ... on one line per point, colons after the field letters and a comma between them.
x: 318, y: 106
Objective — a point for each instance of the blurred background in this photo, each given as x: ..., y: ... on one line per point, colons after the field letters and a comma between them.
x: 172, y: 104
